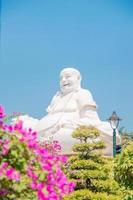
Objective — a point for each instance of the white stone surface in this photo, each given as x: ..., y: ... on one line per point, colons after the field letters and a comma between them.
x: 71, y: 107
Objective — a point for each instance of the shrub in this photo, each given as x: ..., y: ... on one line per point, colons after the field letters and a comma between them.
x: 124, y: 167
x: 28, y: 170
x: 93, y: 174
x: 88, y: 195
x: 124, y: 170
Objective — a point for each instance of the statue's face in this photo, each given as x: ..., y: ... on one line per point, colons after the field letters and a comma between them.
x: 68, y: 82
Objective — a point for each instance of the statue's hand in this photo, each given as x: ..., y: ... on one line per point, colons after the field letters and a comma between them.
x: 68, y: 124
x: 64, y: 124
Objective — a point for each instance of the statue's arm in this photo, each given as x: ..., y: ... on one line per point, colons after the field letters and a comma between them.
x: 85, y: 99
x: 87, y: 116
x: 87, y: 109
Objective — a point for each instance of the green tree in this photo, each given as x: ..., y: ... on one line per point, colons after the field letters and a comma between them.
x: 126, y: 136
x: 91, y: 172
x: 124, y: 170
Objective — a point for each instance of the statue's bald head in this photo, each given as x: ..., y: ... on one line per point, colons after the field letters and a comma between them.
x: 71, y: 71
x: 70, y: 79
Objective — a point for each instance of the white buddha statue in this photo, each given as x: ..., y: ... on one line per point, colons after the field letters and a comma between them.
x: 71, y: 107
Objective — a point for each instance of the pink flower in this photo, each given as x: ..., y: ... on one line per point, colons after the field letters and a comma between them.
x: 4, y: 151
x: 1, y: 124
x: 2, y: 112
x: 18, y: 125
x: 31, y: 174
x: 33, y: 185
x: 40, y: 158
x: 10, y: 128
x: 12, y: 174
x: 4, y: 164
x: 41, y: 195
x: 5, y: 147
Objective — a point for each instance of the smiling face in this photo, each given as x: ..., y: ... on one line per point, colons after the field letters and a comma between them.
x: 68, y: 82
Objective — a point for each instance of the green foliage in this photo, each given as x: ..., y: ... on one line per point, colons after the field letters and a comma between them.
x: 126, y: 136
x: 88, y: 141
x: 87, y: 147
x: 109, y: 186
x: 124, y: 167
x: 84, y: 164
x: 18, y: 154
x: 128, y: 194
x: 83, y: 133
x: 123, y: 171
x: 88, y: 174
x: 88, y: 195
x: 92, y: 173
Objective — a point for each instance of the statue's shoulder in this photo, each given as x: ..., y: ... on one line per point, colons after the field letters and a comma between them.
x: 84, y: 98
x: 83, y: 92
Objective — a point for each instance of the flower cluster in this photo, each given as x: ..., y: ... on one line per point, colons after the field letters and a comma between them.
x: 28, y: 168
x: 2, y: 112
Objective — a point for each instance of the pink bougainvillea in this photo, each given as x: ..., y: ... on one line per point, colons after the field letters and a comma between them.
x: 28, y: 167
x: 2, y: 112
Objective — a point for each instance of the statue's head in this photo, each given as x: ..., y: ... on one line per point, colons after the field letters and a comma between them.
x: 70, y: 79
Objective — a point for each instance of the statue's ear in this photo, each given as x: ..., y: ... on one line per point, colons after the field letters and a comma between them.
x: 79, y: 77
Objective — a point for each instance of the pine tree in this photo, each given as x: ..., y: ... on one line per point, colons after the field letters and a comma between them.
x: 91, y: 172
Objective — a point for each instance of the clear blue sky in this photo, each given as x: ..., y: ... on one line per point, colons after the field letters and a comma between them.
x: 40, y: 37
